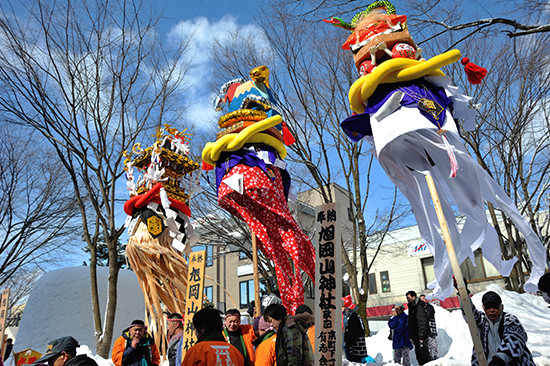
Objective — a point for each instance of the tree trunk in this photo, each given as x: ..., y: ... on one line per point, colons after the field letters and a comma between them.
x: 95, y: 295
x: 104, y: 344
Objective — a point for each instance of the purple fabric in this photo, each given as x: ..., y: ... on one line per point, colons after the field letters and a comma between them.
x: 358, y: 126
x: 251, y: 159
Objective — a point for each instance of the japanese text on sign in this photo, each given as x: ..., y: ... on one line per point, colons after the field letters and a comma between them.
x: 194, y: 297
x: 26, y: 357
x: 328, y: 294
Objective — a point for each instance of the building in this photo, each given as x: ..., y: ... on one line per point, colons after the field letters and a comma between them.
x: 229, y: 272
x: 403, y: 263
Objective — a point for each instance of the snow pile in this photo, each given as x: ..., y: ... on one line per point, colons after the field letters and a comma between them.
x: 100, y: 360
x: 453, y: 339
x: 60, y: 304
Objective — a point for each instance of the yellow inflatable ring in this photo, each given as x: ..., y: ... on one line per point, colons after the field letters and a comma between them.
x: 250, y: 135
x: 394, y: 71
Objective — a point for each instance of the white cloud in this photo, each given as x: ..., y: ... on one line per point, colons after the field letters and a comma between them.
x: 202, y: 33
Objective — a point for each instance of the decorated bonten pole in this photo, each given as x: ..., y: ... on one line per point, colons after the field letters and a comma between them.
x: 253, y: 183
x: 409, y: 111
x: 161, y: 179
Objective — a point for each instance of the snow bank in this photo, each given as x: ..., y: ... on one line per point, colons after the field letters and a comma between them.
x: 60, y: 304
x: 453, y: 339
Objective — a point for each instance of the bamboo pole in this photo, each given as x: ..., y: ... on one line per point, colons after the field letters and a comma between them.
x: 257, y: 304
x: 465, y: 301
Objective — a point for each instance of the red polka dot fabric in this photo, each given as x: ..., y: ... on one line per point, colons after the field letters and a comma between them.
x: 263, y: 206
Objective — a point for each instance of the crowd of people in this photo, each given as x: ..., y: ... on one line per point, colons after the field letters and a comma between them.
x: 275, y: 337
x: 418, y: 328
x: 278, y: 338
x: 503, y: 338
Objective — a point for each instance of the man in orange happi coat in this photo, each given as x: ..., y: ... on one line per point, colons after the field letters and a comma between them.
x: 211, y: 347
x: 240, y: 336
x: 265, y: 344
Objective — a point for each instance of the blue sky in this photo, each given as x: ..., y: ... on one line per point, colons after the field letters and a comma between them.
x: 175, y: 11
x: 203, y: 21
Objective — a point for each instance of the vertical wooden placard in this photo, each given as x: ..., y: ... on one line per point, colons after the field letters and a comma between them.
x: 194, y: 297
x: 4, y: 302
x: 328, y: 291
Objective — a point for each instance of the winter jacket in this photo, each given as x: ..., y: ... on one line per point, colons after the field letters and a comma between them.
x: 265, y: 352
x: 399, y: 324
x: 212, y: 350
x: 248, y: 338
x: 430, y: 314
x: 81, y: 360
x: 292, y: 345
x: 146, y: 354
x: 173, y: 348
x: 513, y: 339
x: 355, y: 346
x: 311, y: 336
x: 419, y: 327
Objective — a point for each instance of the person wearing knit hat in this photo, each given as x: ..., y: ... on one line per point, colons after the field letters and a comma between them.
x: 255, y: 324
x: 503, y: 337
x: 265, y: 343
x: 135, y: 347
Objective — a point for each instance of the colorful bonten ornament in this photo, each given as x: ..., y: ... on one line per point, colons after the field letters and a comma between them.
x: 406, y: 108
x: 252, y: 181
x: 158, y: 221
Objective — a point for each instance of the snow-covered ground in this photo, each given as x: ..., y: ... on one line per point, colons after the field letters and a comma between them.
x: 453, y: 339
x: 60, y: 305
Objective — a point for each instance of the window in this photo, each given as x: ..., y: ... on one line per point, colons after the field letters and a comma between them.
x: 428, y: 270
x: 482, y: 269
x: 350, y: 214
x: 385, y: 281
x: 208, y: 248
x: 309, y: 289
x: 242, y: 255
x: 208, y: 293
x: 246, y: 292
x: 372, y: 283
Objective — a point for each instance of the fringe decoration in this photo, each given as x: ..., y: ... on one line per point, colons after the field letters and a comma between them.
x: 452, y: 157
x: 162, y: 276
x: 287, y: 135
x: 206, y: 166
x: 164, y: 199
x: 475, y: 73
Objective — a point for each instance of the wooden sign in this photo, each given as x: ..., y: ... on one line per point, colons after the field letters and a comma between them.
x: 194, y: 297
x: 4, y: 302
x: 328, y: 292
x: 26, y: 357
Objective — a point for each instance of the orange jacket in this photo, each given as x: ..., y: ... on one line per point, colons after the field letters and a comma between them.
x: 265, y: 353
x: 210, y: 353
x: 311, y: 336
x: 248, y: 337
x: 122, y: 350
